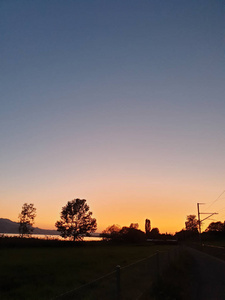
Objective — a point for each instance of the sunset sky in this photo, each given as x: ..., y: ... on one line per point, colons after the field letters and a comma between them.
x: 121, y: 103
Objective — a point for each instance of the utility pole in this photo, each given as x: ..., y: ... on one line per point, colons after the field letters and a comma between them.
x: 200, y: 221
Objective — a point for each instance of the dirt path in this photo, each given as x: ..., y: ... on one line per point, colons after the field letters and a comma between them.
x: 208, y: 277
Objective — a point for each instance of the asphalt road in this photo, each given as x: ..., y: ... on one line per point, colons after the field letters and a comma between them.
x: 208, y: 278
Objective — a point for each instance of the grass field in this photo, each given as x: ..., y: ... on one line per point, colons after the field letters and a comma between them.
x: 219, y: 243
x: 176, y: 281
x: 45, y: 272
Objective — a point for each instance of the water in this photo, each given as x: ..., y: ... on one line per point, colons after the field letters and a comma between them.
x: 52, y: 237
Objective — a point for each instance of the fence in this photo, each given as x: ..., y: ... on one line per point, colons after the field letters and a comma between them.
x: 123, y: 283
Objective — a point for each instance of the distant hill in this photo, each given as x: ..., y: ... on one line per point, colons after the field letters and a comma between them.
x: 8, y: 226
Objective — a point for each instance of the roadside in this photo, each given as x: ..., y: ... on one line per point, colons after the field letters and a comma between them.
x: 192, y: 275
x: 176, y: 280
x: 209, y: 276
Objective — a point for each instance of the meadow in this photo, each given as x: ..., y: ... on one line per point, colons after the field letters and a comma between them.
x: 47, y: 271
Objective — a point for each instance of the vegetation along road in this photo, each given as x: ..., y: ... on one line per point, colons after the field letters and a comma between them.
x: 209, y: 283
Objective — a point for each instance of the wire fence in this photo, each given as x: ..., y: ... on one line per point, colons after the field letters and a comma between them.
x: 125, y: 282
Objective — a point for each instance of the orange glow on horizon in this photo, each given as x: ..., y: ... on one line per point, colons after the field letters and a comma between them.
x: 117, y: 201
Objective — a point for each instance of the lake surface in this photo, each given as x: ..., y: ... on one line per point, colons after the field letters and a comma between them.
x: 52, y: 237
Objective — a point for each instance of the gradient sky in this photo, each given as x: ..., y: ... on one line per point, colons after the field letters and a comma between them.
x: 121, y: 103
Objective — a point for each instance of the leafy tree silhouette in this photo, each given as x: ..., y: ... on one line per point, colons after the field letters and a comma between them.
x: 134, y: 225
x: 154, y: 234
x: 26, y: 219
x: 216, y: 227
x: 111, y: 232
x: 132, y: 234
x: 76, y: 220
x: 147, y: 227
x: 192, y: 223
x: 129, y: 234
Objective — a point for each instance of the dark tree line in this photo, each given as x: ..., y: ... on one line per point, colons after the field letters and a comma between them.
x: 191, y: 231
x: 76, y: 221
x: 129, y: 234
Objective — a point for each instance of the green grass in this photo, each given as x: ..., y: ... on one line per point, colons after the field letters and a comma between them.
x: 45, y: 272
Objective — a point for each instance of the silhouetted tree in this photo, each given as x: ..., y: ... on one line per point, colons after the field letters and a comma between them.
x: 26, y: 219
x: 134, y: 225
x: 215, y: 227
x: 147, y: 226
x: 127, y: 234
x: 154, y: 234
x: 192, y: 223
x: 76, y: 220
x: 185, y: 235
x: 111, y: 232
x: 132, y: 235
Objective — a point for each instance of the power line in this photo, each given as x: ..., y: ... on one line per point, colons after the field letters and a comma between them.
x: 223, y: 216
x: 221, y: 209
x: 216, y: 199
x: 200, y: 221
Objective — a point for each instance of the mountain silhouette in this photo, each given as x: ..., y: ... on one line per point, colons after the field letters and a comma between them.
x: 8, y: 226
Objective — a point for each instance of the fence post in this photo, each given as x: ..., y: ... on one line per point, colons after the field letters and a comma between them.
x: 118, y: 282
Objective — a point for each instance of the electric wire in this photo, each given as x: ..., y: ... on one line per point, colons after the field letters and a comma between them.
x: 216, y: 200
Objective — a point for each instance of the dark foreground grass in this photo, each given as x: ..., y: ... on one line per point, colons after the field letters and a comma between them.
x: 45, y: 272
x: 217, y: 243
x: 176, y: 281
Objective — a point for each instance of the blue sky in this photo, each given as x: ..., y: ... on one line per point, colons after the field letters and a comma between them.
x: 118, y: 102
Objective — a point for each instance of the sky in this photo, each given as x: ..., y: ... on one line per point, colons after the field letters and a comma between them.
x: 121, y: 103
